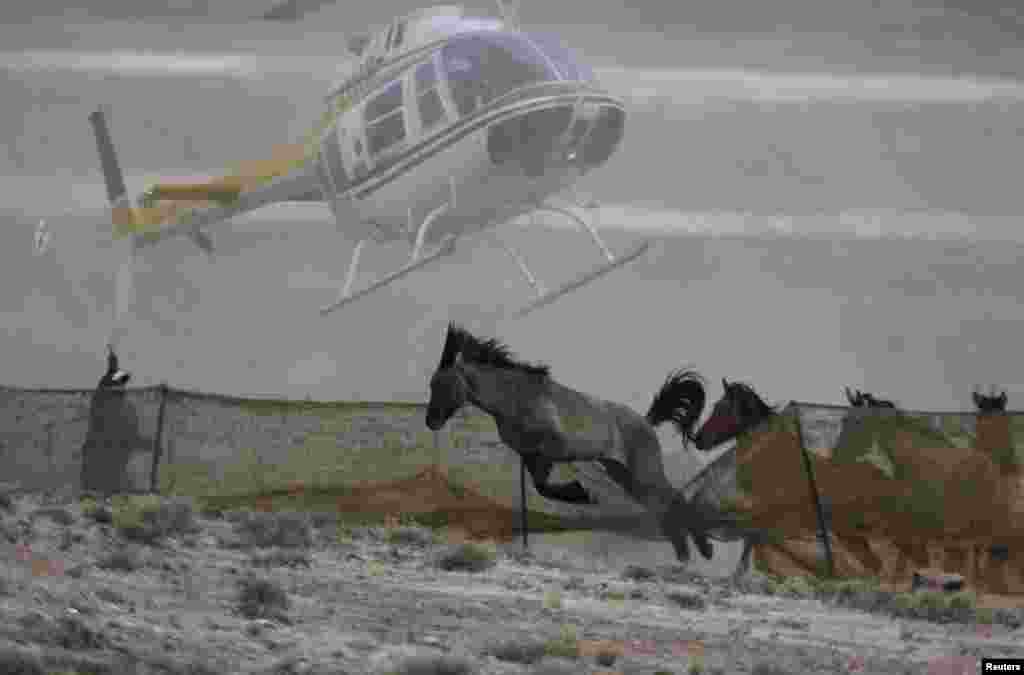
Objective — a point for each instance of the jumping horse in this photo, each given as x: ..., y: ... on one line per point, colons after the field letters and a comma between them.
x: 546, y: 422
x: 866, y: 400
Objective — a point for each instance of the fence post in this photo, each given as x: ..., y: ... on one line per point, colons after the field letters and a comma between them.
x: 823, y: 533
x: 522, y: 500
x: 158, y: 438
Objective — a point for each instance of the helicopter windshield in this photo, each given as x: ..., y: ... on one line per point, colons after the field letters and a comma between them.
x: 564, y: 59
x: 482, y: 67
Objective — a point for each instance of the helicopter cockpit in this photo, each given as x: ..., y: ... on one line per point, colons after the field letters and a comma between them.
x: 482, y: 67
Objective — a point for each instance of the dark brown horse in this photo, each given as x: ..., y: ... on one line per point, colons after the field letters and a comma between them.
x: 739, y: 411
x: 991, y: 403
x: 546, y: 422
x: 866, y: 400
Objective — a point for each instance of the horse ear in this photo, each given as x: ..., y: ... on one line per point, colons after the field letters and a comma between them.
x: 725, y: 385
x: 451, y: 347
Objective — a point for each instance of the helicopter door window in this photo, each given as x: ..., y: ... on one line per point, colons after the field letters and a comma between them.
x: 385, y: 126
x: 428, y: 98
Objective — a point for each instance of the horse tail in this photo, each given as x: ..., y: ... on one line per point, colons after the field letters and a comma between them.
x: 679, y: 401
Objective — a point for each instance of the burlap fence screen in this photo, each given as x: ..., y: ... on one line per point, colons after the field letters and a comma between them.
x: 875, y: 492
x: 217, y: 444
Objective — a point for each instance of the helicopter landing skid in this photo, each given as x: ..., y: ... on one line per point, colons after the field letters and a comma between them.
x: 546, y: 297
x: 345, y: 297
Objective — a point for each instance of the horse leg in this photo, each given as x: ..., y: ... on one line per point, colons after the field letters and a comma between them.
x: 744, y: 563
x: 676, y: 514
x: 540, y: 470
x: 685, y: 515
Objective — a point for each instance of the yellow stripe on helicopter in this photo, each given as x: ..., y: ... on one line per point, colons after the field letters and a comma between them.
x: 163, y: 203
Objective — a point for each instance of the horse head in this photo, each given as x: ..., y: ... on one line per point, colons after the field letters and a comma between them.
x: 739, y: 410
x: 870, y: 401
x: 991, y: 403
x: 855, y: 401
x: 449, y: 390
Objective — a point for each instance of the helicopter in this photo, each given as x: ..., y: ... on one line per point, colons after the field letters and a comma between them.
x: 449, y: 125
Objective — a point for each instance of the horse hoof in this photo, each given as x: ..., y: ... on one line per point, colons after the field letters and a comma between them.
x: 682, y: 550
x: 705, y: 547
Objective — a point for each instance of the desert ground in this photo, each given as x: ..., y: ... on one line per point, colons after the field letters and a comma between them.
x: 130, y: 586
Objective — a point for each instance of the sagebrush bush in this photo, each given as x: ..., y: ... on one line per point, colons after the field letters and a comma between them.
x: 259, y: 597
x: 469, y: 557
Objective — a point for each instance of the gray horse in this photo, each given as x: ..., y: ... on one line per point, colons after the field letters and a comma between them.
x: 546, y: 422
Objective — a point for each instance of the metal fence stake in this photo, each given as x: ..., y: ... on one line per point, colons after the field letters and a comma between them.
x: 823, y: 533
x: 158, y: 439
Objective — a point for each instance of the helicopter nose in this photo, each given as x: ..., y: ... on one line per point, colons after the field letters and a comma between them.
x: 528, y: 139
x: 605, y: 135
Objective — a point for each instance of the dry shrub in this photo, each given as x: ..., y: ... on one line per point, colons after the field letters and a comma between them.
x: 281, y: 558
x: 127, y: 559
x: 149, y: 519
x: 15, y: 661
x: 765, y: 668
x: 435, y: 665
x: 285, y: 530
x: 58, y: 514
x: 638, y: 573
x: 261, y: 598
x: 410, y: 536
x: 526, y: 651
x: 690, y: 601
x: 468, y: 557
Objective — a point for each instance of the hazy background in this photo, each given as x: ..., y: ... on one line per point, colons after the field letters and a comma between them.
x: 894, y: 136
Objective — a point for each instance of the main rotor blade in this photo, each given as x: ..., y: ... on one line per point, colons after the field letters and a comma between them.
x: 293, y: 10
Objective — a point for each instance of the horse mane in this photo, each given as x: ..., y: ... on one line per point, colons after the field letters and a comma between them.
x: 484, y: 352
x: 679, y: 401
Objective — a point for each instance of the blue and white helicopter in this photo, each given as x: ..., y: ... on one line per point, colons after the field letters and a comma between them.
x: 448, y: 126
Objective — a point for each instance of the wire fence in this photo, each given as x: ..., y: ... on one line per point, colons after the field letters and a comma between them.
x: 42, y: 432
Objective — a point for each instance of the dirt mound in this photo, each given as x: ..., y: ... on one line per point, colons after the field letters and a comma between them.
x: 431, y: 491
